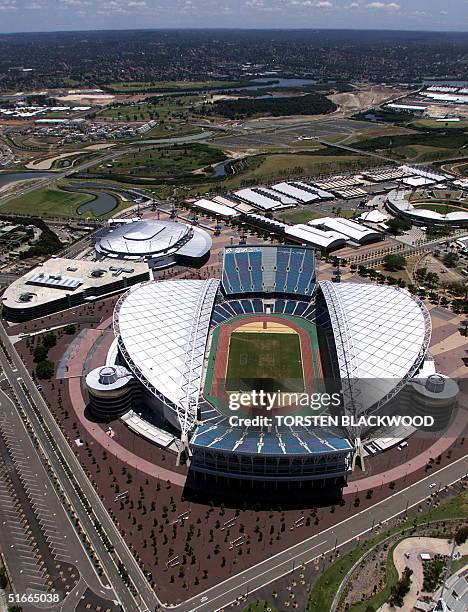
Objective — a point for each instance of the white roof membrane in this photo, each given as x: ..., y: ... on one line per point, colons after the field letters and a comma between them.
x: 163, y: 328
x: 381, y: 336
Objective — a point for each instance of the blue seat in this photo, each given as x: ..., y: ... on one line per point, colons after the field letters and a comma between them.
x: 247, y: 305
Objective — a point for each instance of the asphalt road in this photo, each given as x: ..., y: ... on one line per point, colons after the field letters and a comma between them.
x: 355, y: 526
x: 47, y: 520
x: 147, y: 598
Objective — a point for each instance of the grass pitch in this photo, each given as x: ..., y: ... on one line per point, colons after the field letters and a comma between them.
x: 268, y: 361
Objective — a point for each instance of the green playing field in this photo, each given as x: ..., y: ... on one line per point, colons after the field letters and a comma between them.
x: 268, y: 361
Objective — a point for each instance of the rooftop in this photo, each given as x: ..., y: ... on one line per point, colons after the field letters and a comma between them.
x: 59, y: 277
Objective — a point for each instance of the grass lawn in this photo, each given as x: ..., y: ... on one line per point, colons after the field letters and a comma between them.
x: 324, y: 590
x: 420, y: 152
x: 47, y: 202
x: 300, y: 216
x: 398, y: 274
x: 441, y: 208
x: 264, y: 361
x: 163, y: 108
x: 169, y: 85
x: 55, y: 202
x: 283, y: 166
x: 439, y: 125
x: 171, y: 161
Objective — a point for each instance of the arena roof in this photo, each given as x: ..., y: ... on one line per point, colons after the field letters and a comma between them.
x: 373, y: 216
x: 163, y: 328
x: 381, y: 336
x: 147, y: 238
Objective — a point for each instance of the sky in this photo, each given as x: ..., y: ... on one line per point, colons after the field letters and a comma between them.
x: 50, y: 15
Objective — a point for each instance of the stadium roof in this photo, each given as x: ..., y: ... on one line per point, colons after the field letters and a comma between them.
x: 381, y: 336
x: 399, y: 200
x: 145, y: 239
x: 163, y: 328
x: 269, y: 441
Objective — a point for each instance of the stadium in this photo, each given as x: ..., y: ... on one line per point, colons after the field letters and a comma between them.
x: 182, y: 347
x: 159, y: 243
x: 441, y: 208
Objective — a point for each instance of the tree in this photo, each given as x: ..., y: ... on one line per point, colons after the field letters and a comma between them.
x: 400, y: 589
x: 70, y: 329
x: 398, y: 226
x: 450, y: 260
x: 432, y: 279
x: 421, y: 273
x: 394, y: 262
x: 461, y: 535
x: 45, y: 369
x: 49, y: 340
x: 40, y: 353
x: 3, y: 578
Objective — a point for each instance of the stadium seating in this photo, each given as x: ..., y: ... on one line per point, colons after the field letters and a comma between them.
x: 282, y: 269
x: 262, y: 441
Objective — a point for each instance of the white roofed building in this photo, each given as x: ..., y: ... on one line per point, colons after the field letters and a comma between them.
x: 353, y: 231
x: 215, y: 208
x: 159, y: 243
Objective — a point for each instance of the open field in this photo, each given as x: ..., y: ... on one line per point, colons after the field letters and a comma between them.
x: 268, y: 361
x: 47, y: 202
x: 274, y: 166
x: 299, y: 216
x: 163, y: 86
x: 416, y: 146
x: 355, y: 101
x: 170, y: 161
x: 439, y: 125
x: 158, y: 109
x: 56, y: 202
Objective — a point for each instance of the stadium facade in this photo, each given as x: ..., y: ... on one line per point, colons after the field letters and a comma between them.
x: 160, y: 371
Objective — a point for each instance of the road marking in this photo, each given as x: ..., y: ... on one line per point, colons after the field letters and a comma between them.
x: 290, y: 550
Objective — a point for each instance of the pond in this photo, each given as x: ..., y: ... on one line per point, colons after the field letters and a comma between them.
x: 101, y: 204
x: 6, y: 178
x: 220, y: 168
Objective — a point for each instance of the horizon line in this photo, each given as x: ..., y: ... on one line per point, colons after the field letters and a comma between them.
x: 233, y: 29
